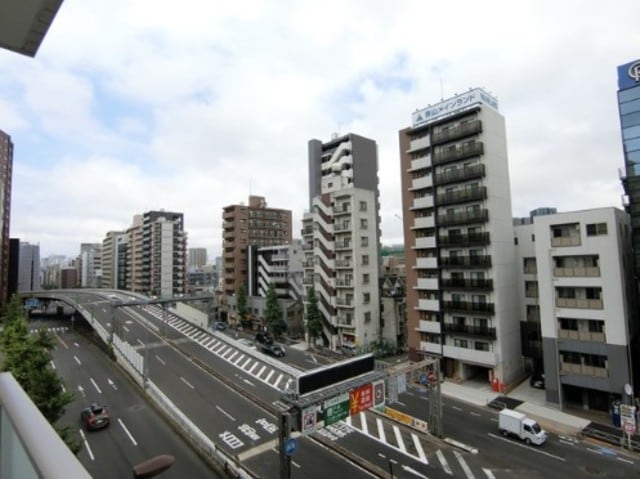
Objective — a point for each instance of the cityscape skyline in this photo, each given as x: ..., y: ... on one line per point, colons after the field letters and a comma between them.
x: 160, y: 130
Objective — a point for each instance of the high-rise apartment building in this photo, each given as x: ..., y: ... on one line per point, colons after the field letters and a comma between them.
x: 6, y: 171
x: 460, y: 259
x: 578, y: 304
x: 244, y: 226
x: 114, y: 260
x: 29, y: 267
x: 163, y: 256
x: 341, y: 239
x: 134, y: 256
x: 197, y: 257
x: 278, y: 265
x: 91, y: 265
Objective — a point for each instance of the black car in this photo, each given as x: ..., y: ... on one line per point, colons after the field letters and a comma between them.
x: 264, y: 338
x: 272, y: 349
x: 220, y: 325
x: 95, y: 417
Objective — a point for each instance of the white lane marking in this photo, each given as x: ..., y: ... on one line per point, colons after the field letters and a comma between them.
x: 255, y: 365
x: 624, y: 460
x: 313, y: 358
x: 568, y: 443
x: 414, y: 472
x: 187, y: 382
x: 271, y: 373
x: 419, y: 449
x: 399, y: 440
x: 209, y: 343
x: 488, y: 473
x: 464, y: 465
x: 473, y: 413
x: 246, y: 362
x: 225, y: 413
x: 140, y: 341
x: 275, y: 385
x: 125, y: 328
x: 52, y: 364
x: 76, y: 344
x: 381, y: 434
x: 222, y: 348
x: 77, y: 360
x: 127, y: 431
x: 112, y: 384
x: 64, y: 390
x: 95, y: 386
x: 443, y: 462
x: 235, y: 353
x: 240, y: 358
x: 363, y: 423
x: 264, y: 366
x: 249, y: 382
x: 161, y: 360
x: 532, y: 449
x: 81, y: 389
x: 86, y: 444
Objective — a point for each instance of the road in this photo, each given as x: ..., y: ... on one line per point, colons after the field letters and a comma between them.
x: 137, y: 432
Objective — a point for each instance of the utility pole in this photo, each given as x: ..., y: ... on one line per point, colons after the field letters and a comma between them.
x: 285, y: 433
x: 435, y: 403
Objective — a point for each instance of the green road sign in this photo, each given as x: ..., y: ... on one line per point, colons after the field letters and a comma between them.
x: 336, y: 409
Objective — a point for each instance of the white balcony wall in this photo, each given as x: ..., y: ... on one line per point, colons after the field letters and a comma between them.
x: 487, y: 358
x: 427, y: 263
x: 424, y: 202
x: 427, y: 283
x: 420, y: 143
x: 429, y: 327
x: 428, y: 305
x: 424, y: 182
x: 426, y: 242
x: 423, y: 162
x: 430, y: 347
x: 423, y: 222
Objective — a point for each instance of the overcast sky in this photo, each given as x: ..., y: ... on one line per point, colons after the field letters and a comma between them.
x: 189, y: 106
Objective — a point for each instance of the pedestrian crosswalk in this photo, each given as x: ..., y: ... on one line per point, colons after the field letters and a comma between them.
x: 238, y: 357
x: 427, y: 451
x: 52, y: 330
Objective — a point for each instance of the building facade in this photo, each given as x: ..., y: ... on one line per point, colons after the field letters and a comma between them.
x: 29, y: 267
x: 197, y: 257
x: 459, y: 251
x: 248, y: 225
x: 91, y: 265
x: 341, y: 240
x: 114, y: 260
x: 280, y: 265
x: 6, y: 173
x: 578, y: 316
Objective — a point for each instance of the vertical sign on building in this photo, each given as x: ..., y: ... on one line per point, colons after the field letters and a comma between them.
x: 360, y: 399
x: 309, y: 420
x: 402, y: 383
x: 378, y: 394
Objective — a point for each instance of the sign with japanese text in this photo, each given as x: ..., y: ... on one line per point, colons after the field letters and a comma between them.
x: 452, y: 105
x: 336, y: 409
x: 360, y: 399
x: 628, y: 417
x: 309, y: 420
x: 378, y: 394
x: 629, y: 75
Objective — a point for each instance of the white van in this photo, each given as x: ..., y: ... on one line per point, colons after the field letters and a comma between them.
x: 349, y: 349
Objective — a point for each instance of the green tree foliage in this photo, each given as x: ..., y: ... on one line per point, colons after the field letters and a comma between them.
x: 242, y: 310
x: 273, y: 314
x: 314, y: 325
x: 28, y: 358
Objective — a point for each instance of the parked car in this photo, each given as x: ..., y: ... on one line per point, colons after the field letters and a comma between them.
x: 272, y: 349
x: 95, y: 417
x: 537, y: 380
x: 220, y: 325
x: 263, y: 338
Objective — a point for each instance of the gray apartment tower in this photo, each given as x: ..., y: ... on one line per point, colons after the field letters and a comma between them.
x: 6, y: 169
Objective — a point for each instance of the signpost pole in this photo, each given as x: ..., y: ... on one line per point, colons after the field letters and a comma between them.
x: 285, y: 459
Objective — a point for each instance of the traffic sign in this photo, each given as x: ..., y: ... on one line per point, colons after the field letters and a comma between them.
x: 424, y: 379
x: 360, y: 399
x: 290, y: 446
x: 378, y: 394
x: 629, y: 427
x: 336, y: 409
x: 309, y: 420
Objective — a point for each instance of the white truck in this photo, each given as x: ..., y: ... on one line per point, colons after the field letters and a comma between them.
x: 517, y: 424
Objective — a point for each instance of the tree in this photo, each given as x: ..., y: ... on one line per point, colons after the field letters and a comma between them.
x: 314, y: 325
x: 241, y: 307
x: 273, y: 314
x: 28, y: 358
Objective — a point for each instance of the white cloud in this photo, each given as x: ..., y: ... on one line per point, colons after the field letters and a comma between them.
x: 148, y: 105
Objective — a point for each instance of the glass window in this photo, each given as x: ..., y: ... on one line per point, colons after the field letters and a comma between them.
x: 629, y: 94
x: 363, y: 223
x: 632, y: 145
x: 631, y: 131
x: 629, y: 106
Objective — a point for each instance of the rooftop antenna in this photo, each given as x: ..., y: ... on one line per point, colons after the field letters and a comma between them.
x: 441, y: 90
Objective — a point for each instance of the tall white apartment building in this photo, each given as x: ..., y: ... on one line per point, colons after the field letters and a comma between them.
x: 114, y: 260
x: 341, y: 239
x: 460, y: 259
x: 90, y: 265
x: 280, y: 265
x: 576, y: 276
x: 197, y: 257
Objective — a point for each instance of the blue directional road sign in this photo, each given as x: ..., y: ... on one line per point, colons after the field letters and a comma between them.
x: 290, y: 446
x: 424, y: 379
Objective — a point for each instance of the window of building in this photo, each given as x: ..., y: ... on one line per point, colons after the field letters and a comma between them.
x: 363, y: 206
x: 367, y: 316
x: 568, y: 323
x: 515, y: 241
x: 481, y: 346
x: 596, y: 326
x: 363, y: 224
x: 364, y: 241
x: 366, y: 298
x: 595, y: 229
x: 533, y: 238
x: 460, y: 343
x: 365, y: 259
x: 365, y: 278
x: 570, y: 357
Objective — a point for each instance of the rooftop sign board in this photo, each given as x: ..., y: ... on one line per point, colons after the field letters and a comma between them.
x: 334, y: 373
x: 629, y: 75
x: 452, y: 105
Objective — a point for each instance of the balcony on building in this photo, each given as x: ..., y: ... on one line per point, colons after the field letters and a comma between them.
x: 307, y: 246
x: 420, y: 163
x: 456, y: 132
x: 421, y: 202
x: 583, y: 266
x: 421, y: 222
x: 344, y: 283
x: 470, y: 330
x: 464, y: 240
x: 458, y: 175
x: 457, y: 152
x: 479, y: 215
x: 467, y: 307
x: 531, y: 289
x: 530, y: 266
x: 432, y: 348
x: 344, y: 321
x: 308, y: 279
x: 590, y: 330
x: 425, y: 242
x: 463, y: 195
x: 565, y: 235
x: 487, y: 358
x: 343, y: 263
x: 343, y: 245
x: 474, y: 261
x: 583, y: 365
x: 342, y: 227
x: 579, y: 297
x: 467, y: 284
x: 429, y: 327
x: 426, y: 263
x: 421, y: 182
x: 344, y: 302
x: 419, y: 143
x: 432, y: 305
x: 342, y: 209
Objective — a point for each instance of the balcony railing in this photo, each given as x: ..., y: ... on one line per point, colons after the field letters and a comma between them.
x: 460, y: 174
x: 343, y: 245
x: 579, y: 303
x: 472, y: 239
x: 583, y: 370
x: 579, y: 272
x: 475, y: 216
x: 468, y: 284
x: 470, y: 330
x: 462, y: 196
x: 467, y: 306
x: 458, y: 131
x: 343, y: 263
x: 479, y: 261
x: 344, y: 302
x: 581, y: 335
x: 563, y: 241
x: 344, y: 282
x: 460, y: 152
